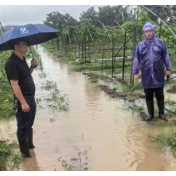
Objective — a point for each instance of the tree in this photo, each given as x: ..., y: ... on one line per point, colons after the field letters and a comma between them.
x: 89, y: 14
x: 165, y: 12
x: 108, y: 14
x: 58, y: 20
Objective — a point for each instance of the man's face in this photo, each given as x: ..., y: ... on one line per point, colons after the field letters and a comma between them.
x: 149, y: 34
x: 21, y: 47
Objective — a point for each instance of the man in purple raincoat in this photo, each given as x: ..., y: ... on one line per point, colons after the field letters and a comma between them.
x: 152, y: 57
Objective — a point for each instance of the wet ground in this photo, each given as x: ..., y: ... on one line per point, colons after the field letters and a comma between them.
x: 98, y: 130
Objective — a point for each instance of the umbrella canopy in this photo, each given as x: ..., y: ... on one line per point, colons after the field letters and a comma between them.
x: 33, y: 34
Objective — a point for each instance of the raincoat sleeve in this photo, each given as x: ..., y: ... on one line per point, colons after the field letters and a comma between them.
x: 136, y: 62
x: 166, y: 57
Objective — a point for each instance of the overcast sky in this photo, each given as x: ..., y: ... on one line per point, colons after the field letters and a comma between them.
x: 19, y: 15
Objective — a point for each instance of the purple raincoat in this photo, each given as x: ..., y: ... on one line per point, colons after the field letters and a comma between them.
x: 153, y: 57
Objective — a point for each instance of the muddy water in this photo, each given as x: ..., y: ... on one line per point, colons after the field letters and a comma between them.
x: 114, y: 138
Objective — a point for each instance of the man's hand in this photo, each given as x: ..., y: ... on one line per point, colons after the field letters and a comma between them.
x: 19, y: 95
x: 168, y: 73
x: 136, y: 78
x: 34, y: 62
x: 25, y: 107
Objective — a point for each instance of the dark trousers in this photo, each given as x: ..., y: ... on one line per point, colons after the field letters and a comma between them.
x: 159, y: 94
x: 25, y: 120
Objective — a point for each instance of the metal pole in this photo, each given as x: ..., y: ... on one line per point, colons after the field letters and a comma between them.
x: 89, y: 51
x: 160, y: 31
x: 123, y: 67
x: 112, y: 57
x: 85, y: 53
x: 79, y: 49
x: 75, y: 49
x: 134, y: 46
x: 82, y: 50
x: 58, y: 43
x: 102, y: 57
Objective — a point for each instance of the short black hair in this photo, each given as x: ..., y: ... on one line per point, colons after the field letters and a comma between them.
x: 12, y: 43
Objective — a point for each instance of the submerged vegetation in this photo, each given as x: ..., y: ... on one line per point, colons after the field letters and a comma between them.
x: 167, y: 140
x: 76, y: 163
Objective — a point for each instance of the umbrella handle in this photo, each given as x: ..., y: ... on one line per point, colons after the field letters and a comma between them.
x: 31, y: 52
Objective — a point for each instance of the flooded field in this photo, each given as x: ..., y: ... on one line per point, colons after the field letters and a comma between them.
x: 101, y: 132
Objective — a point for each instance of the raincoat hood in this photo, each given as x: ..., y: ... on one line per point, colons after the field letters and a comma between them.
x: 147, y: 26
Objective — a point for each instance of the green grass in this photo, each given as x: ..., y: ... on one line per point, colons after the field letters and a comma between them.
x: 9, y: 158
x: 6, y: 94
x: 169, y: 102
x: 167, y: 140
x: 137, y: 108
x: 173, y: 122
x: 98, y: 66
x: 124, y: 88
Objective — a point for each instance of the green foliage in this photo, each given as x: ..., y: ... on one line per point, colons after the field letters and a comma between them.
x: 99, y: 26
x: 58, y: 20
x: 165, y: 12
x: 7, y: 152
x: 90, y: 14
x: 137, y: 108
x: 168, y: 140
x: 6, y: 94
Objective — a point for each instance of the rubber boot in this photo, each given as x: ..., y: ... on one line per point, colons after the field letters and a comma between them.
x: 30, y: 138
x: 161, y: 110
x: 150, y: 107
x: 24, y: 148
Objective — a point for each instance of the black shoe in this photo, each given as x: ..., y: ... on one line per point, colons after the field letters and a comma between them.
x: 24, y: 148
x: 149, y: 118
x: 163, y: 117
x: 161, y: 110
x: 30, y: 139
x: 150, y: 107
